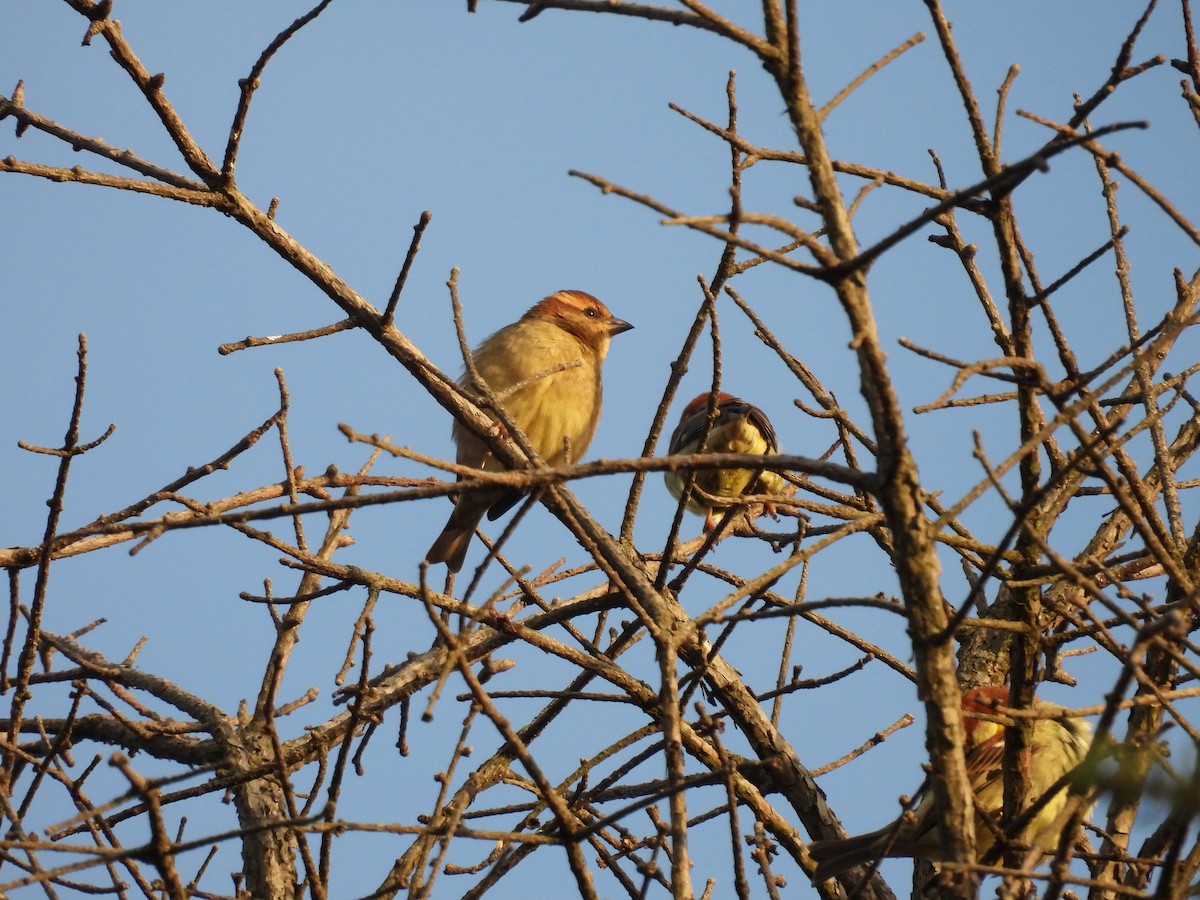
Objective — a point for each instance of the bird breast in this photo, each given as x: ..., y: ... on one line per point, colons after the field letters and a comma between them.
x: 550, y: 408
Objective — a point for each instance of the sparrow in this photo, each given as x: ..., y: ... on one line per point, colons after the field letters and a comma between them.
x: 1057, y: 746
x: 545, y: 369
x: 740, y: 427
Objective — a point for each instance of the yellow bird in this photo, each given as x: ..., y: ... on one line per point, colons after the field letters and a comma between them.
x: 740, y: 427
x: 545, y: 369
x: 1058, y: 746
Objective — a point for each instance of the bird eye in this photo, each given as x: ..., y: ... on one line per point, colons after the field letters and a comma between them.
x: 591, y: 312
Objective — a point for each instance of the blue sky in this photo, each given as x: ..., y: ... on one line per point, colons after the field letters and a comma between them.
x: 377, y: 112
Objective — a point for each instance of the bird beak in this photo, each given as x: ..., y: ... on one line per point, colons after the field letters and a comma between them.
x: 616, y: 326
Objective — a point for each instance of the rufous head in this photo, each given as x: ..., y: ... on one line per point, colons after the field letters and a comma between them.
x: 700, y: 403
x: 582, y: 315
x: 983, y: 700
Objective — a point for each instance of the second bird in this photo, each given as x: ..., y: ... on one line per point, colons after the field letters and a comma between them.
x: 1058, y: 745
x: 545, y: 369
x: 740, y: 427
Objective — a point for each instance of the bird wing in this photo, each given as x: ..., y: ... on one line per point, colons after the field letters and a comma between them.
x: 729, y: 409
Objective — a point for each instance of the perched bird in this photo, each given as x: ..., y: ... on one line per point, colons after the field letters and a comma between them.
x: 545, y: 369
x: 1057, y: 746
x: 740, y: 427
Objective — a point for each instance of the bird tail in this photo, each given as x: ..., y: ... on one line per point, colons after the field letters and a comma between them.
x: 451, y: 545
x: 834, y: 857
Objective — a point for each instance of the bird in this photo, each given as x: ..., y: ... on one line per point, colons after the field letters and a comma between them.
x: 545, y: 369
x: 740, y: 427
x: 1057, y: 746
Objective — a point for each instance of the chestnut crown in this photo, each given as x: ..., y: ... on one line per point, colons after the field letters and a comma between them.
x: 582, y: 315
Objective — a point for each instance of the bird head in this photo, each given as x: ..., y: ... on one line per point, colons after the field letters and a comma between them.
x: 582, y: 315
x: 700, y: 403
x: 983, y: 700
